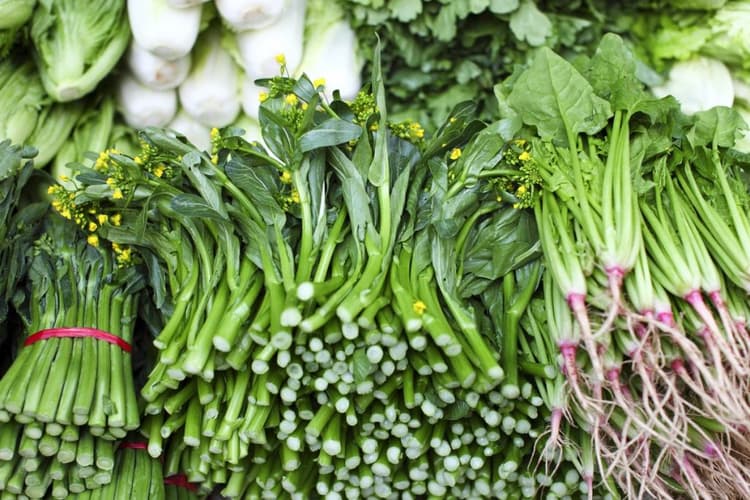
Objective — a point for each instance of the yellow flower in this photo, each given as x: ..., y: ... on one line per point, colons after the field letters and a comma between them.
x: 291, y: 99
x: 117, y: 194
x: 455, y: 153
x: 416, y: 130
x: 280, y: 59
x: 101, y: 218
x: 65, y: 212
x: 64, y: 178
x: 52, y: 190
x: 419, y: 307
x: 110, y: 181
x: 93, y: 240
x: 525, y: 156
x: 519, y: 142
x: 521, y: 190
x: 215, y: 159
x: 262, y: 96
x: 138, y: 160
x: 295, y: 196
x: 92, y: 226
x: 214, y: 133
x: 116, y: 219
x: 286, y: 177
x: 304, y: 106
x: 319, y: 82
x: 159, y: 170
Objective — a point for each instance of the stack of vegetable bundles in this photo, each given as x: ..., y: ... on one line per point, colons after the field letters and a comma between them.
x: 203, y: 74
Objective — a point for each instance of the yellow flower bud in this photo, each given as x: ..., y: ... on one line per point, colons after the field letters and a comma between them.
x: 525, y: 156
x: 291, y: 99
x: 419, y: 307
x: 455, y: 154
x: 280, y: 59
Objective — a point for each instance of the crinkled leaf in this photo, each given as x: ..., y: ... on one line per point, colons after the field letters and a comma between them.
x: 530, y: 24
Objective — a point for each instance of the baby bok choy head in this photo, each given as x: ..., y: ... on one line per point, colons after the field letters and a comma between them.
x: 77, y: 43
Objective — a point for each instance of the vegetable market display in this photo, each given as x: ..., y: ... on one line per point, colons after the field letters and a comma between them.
x: 478, y: 274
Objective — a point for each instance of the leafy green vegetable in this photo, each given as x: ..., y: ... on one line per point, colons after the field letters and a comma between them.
x: 77, y: 44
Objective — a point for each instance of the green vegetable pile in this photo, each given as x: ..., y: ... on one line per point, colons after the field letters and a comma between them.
x: 513, y: 264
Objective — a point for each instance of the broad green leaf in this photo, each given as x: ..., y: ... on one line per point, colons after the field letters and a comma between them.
x: 556, y: 99
x: 718, y: 126
x: 331, y: 132
x: 190, y: 205
x: 612, y: 74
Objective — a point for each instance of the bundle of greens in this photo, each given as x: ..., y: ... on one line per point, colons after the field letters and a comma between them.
x: 638, y: 208
x: 37, y: 463
x: 18, y: 228
x: 135, y: 474
x: 69, y: 393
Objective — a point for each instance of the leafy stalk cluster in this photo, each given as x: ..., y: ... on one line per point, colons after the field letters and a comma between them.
x: 66, y: 399
x: 640, y: 220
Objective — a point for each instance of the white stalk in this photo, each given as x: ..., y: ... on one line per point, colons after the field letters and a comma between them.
x: 261, y: 49
x: 160, y: 28
x: 243, y: 15
x: 144, y: 107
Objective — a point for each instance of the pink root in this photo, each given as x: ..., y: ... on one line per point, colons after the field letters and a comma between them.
x: 570, y: 370
x: 666, y: 318
x: 577, y: 304
x: 615, y: 275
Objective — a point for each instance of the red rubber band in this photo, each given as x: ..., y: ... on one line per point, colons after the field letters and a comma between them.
x: 181, y: 481
x: 76, y: 332
x: 134, y: 445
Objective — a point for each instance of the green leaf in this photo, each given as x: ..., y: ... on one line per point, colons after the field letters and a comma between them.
x: 331, y: 132
x: 192, y: 163
x: 503, y: 6
x: 718, y: 126
x: 612, y: 74
x: 556, y: 99
x: 260, y: 185
x: 530, y: 25
x: 405, y: 10
x: 190, y: 205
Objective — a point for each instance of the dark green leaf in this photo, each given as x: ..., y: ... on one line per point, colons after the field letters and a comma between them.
x: 331, y: 132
